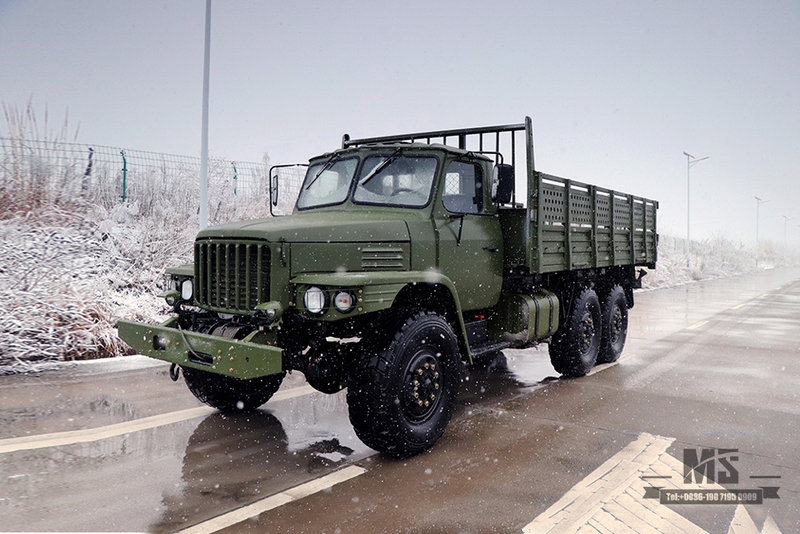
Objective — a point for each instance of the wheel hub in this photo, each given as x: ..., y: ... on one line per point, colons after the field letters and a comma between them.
x: 616, y: 324
x: 587, y: 333
x: 421, y: 387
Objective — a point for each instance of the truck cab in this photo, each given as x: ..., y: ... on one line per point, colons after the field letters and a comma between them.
x: 442, y: 196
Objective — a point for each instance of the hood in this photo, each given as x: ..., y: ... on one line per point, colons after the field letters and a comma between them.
x: 317, y: 227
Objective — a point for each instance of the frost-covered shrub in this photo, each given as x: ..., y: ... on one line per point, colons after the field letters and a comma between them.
x: 717, y: 257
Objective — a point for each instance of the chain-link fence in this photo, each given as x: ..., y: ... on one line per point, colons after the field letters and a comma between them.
x: 34, y: 173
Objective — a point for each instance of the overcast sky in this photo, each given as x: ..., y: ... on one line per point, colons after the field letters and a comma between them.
x: 617, y: 90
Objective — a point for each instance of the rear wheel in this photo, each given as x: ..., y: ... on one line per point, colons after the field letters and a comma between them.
x: 401, y: 395
x: 229, y: 394
x: 575, y: 346
x: 614, y: 308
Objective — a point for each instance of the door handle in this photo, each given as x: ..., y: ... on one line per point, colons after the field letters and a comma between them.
x: 491, y: 249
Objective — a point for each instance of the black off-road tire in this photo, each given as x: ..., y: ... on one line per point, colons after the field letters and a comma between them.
x: 228, y: 394
x: 402, y: 392
x: 614, y: 307
x: 576, y: 344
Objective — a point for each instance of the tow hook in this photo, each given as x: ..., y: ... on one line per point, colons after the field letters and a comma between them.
x: 174, y: 372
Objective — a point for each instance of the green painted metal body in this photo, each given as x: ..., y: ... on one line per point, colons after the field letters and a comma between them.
x: 522, y: 319
x: 575, y: 226
x: 386, y: 256
x: 239, y: 359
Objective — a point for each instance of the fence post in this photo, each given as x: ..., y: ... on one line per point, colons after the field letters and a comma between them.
x: 88, y: 173
x: 124, y: 177
x: 235, y: 177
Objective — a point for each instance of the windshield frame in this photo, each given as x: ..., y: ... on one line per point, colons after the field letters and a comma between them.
x: 324, y: 166
x: 394, y: 154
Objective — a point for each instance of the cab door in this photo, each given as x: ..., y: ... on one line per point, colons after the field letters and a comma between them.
x: 470, y: 243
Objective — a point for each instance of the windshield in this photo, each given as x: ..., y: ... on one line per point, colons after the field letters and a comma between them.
x: 396, y: 180
x: 327, y: 183
x: 388, y: 179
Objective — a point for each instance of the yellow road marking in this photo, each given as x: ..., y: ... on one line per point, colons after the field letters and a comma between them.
x: 696, y: 325
x: 58, y: 439
x: 274, y: 501
x: 604, y: 487
x: 739, y: 306
x: 612, y: 497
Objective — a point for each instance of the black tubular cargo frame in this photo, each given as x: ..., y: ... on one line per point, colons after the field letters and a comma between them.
x: 463, y: 138
x: 564, y: 224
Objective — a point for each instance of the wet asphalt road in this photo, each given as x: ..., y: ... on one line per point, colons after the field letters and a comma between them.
x: 116, y: 446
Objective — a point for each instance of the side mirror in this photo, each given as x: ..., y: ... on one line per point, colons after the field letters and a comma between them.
x: 502, y: 183
x: 273, y: 189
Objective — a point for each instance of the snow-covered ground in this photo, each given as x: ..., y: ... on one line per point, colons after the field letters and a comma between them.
x: 67, y: 276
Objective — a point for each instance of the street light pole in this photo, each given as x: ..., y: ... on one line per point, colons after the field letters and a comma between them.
x: 690, y: 162
x: 204, y: 135
x: 758, y: 207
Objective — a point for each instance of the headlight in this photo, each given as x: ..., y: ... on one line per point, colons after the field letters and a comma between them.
x: 314, y: 299
x: 344, y: 301
x: 187, y: 289
x: 170, y: 282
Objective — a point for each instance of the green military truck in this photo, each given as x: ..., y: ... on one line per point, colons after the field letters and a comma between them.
x: 405, y: 257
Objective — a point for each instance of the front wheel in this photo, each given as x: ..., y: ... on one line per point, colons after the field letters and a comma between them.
x: 228, y: 394
x: 576, y: 344
x: 401, y: 395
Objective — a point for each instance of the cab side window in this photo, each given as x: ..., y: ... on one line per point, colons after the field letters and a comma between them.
x: 463, y: 188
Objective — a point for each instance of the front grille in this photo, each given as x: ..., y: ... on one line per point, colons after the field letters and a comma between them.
x: 231, y: 275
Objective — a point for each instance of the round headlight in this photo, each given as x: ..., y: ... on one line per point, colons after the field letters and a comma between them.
x: 187, y: 289
x: 344, y: 301
x: 314, y: 299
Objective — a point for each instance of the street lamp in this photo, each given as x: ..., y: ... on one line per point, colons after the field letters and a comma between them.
x: 758, y: 206
x: 690, y: 162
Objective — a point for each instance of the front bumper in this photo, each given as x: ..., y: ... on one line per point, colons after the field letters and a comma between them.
x: 238, y: 359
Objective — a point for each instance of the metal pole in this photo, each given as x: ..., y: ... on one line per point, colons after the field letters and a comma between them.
x: 690, y: 160
x: 204, y: 140
x: 688, y: 200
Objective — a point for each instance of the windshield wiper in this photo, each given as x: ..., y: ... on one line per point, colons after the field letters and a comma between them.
x: 382, y: 165
x: 328, y: 164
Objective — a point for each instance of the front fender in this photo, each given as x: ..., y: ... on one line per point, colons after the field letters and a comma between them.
x: 377, y: 291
